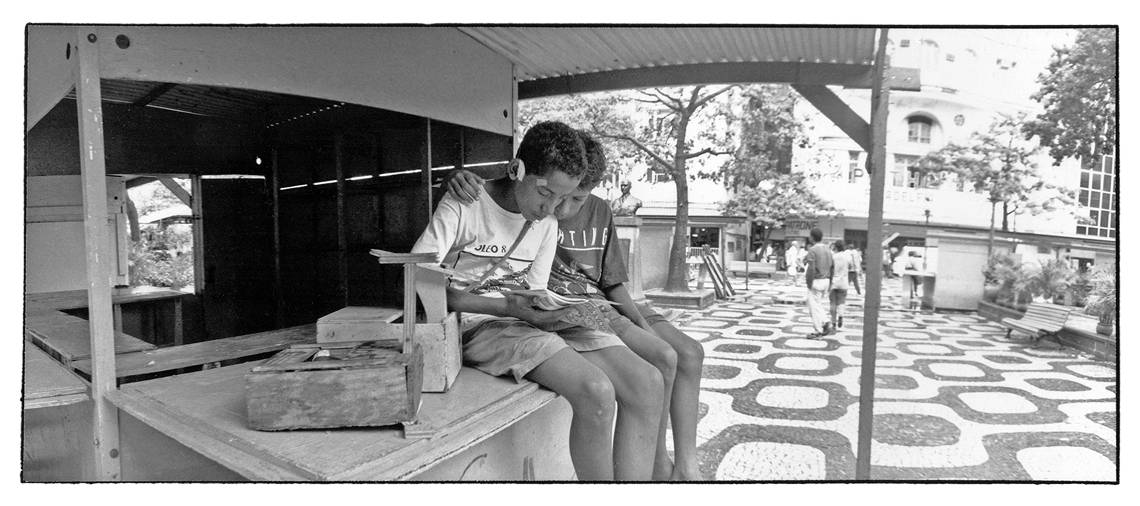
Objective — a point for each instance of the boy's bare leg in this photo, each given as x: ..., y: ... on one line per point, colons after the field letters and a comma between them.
x: 684, y: 399
x: 658, y: 353
x: 591, y: 397
x: 638, y: 387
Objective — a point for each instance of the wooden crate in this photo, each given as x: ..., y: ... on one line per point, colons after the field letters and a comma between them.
x: 327, y: 385
x: 439, y: 339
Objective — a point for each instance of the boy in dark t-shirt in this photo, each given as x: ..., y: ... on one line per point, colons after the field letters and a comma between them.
x: 588, y: 263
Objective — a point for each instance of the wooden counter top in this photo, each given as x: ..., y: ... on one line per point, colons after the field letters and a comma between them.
x: 47, y: 383
x: 206, y: 412
x: 206, y: 352
x: 75, y: 299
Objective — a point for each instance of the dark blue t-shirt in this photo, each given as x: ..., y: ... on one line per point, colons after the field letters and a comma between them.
x: 588, y: 258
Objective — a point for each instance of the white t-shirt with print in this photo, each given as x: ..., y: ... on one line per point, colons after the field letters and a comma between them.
x: 470, y: 238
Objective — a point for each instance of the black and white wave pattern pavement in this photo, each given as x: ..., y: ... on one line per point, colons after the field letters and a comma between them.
x: 954, y: 400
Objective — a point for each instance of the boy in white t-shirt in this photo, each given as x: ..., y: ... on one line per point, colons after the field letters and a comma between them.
x: 589, y: 263
x: 491, y: 241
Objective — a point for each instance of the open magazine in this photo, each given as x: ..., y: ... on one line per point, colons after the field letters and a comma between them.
x: 548, y: 300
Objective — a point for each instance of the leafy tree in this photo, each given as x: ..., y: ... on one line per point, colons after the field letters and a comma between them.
x: 659, y: 137
x: 759, y: 176
x: 665, y: 144
x: 595, y: 112
x: 1078, y: 91
x: 775, y: 199
x: 768, y: 132
x: 999, y: 163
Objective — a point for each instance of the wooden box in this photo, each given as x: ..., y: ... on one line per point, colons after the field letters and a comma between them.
x: 326, y: 385
x: 439, y: 340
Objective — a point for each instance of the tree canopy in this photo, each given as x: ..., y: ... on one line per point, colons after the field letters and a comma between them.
x: 999, y: 164
x: 1079, y: 92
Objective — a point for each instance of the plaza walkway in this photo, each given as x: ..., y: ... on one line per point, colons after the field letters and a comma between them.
x: 954, y: 399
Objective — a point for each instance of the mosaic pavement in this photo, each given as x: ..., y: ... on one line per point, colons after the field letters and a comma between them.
x: 954, y: 400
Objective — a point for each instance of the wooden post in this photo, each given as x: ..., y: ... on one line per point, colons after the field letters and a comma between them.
x: 409, y: 306
x: 99, y: 253
x: 275, y: 189
x: 341, y: 235
x: 199, y: 233
x: 872, y: 298
x: 426, y: 175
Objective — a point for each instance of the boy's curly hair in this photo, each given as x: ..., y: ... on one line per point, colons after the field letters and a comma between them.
x: 595, y: 162
x: 552, y: 145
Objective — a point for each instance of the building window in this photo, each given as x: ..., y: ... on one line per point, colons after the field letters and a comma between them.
x: 1098, y: 194
x: 854, y: 168
x: 904, y: 43
x: 918, y: 130
x: 900, y: 171
x: 949, y: 57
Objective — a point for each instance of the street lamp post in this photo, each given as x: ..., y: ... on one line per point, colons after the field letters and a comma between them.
x: 925, y: 240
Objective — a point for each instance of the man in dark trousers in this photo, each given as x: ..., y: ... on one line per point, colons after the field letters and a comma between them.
x: 819, y: 271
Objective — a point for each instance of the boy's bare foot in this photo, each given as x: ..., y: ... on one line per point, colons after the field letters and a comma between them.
x: 664, y: 472
x: 686, y: 475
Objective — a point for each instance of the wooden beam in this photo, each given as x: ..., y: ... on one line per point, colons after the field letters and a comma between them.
x: 139, y: 181
x: 828, y: 103
x: 877, y: 158
x: 154, y: 93
x: 341, y: 234
x: 177, y: 190
x: 105, y: 437
x: 198, y: 230
x: 275, y: 191
x: 425, y: 176
x: 848, y: 75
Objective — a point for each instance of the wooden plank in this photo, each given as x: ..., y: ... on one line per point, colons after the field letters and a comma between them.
x: 99, y: 251
x: 826, y: 102
x: 177, y: 190
x: 68, y: 338
x: 207, y: 352
x: 206, y: 411
x: 76, y: 299
x: 47, y: 383
x: 388, y: 257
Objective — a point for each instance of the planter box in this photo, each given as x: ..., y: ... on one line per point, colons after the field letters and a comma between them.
x: 351, y: 384
x: 439, y: 340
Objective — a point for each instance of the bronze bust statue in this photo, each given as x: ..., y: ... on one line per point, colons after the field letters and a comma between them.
x: 626, y: 204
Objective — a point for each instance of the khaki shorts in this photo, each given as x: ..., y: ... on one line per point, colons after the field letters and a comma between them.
x: 498, y: 346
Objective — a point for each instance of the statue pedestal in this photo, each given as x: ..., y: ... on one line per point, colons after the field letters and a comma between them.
x: 629, y: 237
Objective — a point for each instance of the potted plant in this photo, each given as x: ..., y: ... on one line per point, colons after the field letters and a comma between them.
x: 1079, y: 290
x: 1001, y: 269
x: 1053, y: 280
x: 1102, y: 298
x: 1024, y: 284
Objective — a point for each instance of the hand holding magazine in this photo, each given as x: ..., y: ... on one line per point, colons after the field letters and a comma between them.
x: 550, y: 301
x: 591, y: 313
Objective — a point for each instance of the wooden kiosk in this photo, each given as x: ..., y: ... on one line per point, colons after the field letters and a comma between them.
x: 307, y: 146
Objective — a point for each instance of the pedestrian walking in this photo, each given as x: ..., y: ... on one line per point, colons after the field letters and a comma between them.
x: 856, y: 267
x: 794, y: 264
x: 818, y: 271
x: 839, y: 283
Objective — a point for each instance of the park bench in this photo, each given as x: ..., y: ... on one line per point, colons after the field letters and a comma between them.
x: 1040, y: 319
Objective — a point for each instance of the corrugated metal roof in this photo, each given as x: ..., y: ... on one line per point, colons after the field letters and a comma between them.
x: 545, y: 52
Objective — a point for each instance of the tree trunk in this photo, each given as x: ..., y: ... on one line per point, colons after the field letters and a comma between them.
x: 1005, y: 216
x: 678, y: 279
x: 993, y: 210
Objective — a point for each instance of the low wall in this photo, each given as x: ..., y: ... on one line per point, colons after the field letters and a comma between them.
x: 1102, y: 347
